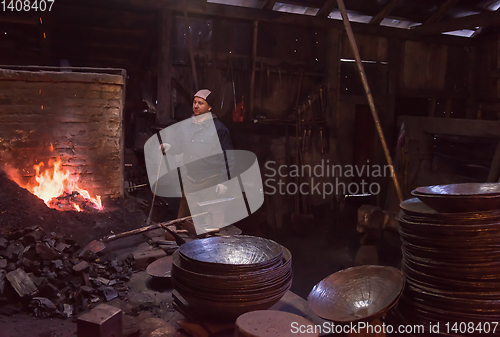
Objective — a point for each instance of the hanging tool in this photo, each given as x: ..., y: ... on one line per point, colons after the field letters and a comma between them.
x: 269, y: 93
x: 371, y: 102
x: 261, y: 77
x: 225, y: 85
x: 234, y: 89
x: 299, y: 220
x: 310, y: 129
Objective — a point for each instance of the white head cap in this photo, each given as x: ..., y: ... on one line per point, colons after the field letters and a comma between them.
x: 203, y: 93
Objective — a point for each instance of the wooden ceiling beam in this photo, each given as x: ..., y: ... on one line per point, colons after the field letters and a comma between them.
x: 327, y: 8
x: 441, y: 11
x: 269, y: 4
x: 389, y: 6
x: 213, y: 10
x: 471, y: 21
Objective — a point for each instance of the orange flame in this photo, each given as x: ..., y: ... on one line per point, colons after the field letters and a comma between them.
x: 55, y: 186
x: 54, y: 182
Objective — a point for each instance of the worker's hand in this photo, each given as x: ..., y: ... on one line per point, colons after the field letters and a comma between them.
x: 220, y: 189
x: 166, y: 146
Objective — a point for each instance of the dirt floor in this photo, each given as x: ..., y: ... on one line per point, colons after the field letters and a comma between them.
x: 331, y: 245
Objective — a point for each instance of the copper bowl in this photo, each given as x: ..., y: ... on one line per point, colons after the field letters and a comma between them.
x: 355, y: 294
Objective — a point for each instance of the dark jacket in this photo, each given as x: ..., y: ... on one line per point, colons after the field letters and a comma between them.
x: 195, y: 140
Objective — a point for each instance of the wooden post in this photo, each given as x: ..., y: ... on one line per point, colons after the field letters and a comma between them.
x: 334, y: 46
x: 498, y: 61
x: 449, y: 102
x: 432, y: 107
x: 472, y: 83
x: 395, y: 60
x: 371, y: 102
x: 252, y: 80
x: 191, y: 53
x: 164, y: 109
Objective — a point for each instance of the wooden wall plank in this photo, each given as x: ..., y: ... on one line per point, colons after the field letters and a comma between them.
x: 370, y: 48
x: 424, y: 65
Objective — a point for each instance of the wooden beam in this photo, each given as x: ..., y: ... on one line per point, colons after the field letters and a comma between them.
x: 441, y: 11
x: 326, y: 9
x: 269, y: 4
x: 164, y: 106
x: 191, y: 53
x: 471, y: 21
x: 254, y: 65
x: 256, y: 14
x: 334, y: 46
x: 390, y: 5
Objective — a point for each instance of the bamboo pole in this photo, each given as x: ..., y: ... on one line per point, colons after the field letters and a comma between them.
x: 371, y: 102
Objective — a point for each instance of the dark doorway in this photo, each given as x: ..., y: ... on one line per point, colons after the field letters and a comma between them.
x: 364, y: 133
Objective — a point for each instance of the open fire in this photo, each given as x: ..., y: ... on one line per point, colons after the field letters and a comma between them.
x: 58, y: 189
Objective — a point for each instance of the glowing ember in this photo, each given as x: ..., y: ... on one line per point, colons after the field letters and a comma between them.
x: 59, y: 190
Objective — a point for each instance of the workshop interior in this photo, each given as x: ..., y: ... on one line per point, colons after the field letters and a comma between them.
x: 249, y: 168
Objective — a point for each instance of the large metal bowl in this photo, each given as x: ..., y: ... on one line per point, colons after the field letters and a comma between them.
x: 357, y: 294
x: 414, y: 207
x: 460, y: 203
x: 464, y: 189
x: 223, y: 255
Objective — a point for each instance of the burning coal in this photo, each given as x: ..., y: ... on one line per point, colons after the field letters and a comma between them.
x: 58, y: 188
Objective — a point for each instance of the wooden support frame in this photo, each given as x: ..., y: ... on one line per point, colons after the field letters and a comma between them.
x: 377, y: 19
x: 471, y: 21
x: 441, y: 11
x: 256, y: 14
x: 327, y: 8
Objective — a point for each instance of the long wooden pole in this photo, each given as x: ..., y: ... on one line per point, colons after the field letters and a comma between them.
x: 371, y: 102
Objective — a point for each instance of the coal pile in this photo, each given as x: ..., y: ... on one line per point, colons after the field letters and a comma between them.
x: 49, y: 275
x: 20, y: 209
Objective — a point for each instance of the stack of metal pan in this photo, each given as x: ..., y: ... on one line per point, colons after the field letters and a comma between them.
x: 451, y: 260
x: 221, y: 278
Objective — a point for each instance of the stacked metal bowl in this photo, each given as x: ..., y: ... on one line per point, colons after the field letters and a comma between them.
x: 222, y: 278
x: 451, y: 260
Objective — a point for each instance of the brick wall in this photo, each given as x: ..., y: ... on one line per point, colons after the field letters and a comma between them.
x: 79, y: 113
